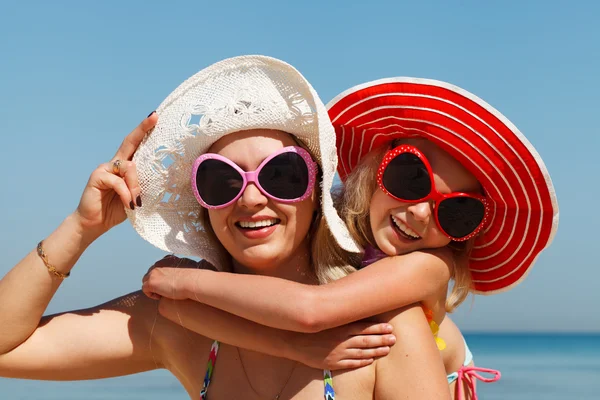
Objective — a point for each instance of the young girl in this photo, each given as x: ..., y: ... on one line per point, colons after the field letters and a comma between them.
x: 438, y: 186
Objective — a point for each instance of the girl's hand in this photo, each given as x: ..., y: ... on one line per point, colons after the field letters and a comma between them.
x: 114, y: 185
x: 350, y: 346
x: 169, y: 276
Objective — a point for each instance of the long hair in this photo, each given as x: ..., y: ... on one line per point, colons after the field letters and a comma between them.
x: 461, y: 273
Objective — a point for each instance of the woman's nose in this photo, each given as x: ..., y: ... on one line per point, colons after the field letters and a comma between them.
x: 252, y: 197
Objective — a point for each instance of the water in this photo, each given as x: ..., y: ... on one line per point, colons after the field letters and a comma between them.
x: 548, y: 367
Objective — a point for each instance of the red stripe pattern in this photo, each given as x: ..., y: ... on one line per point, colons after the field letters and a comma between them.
x: 524, y: 210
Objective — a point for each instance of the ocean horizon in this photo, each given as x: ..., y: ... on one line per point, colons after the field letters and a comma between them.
x: 548, y: 366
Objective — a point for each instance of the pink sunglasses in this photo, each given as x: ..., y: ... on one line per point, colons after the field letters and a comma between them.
x: 286, y: 176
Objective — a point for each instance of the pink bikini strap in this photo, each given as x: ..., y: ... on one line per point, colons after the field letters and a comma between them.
x: 469, y: 375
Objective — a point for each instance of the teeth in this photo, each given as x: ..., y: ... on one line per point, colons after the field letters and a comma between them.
x: 258, y: 224
x: 405, y: 229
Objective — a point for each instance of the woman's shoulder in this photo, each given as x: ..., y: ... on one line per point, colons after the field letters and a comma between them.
x: 181, y: 351
x: 166, y: 339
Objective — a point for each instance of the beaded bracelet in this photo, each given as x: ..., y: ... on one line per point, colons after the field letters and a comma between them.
x: 50, y: 267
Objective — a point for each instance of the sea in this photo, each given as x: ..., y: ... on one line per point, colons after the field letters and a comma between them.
x: 533, y: 366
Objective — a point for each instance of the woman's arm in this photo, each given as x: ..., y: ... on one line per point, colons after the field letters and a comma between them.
x: 107, y: 340
x: 414, y: 368
x: 28, y: 288
x: 386, y: 285
x: 121, y: 337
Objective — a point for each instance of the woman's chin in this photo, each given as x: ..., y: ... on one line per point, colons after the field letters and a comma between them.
x: 262, y: 257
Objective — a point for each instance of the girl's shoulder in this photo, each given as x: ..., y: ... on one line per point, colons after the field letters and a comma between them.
x: 442, y: 256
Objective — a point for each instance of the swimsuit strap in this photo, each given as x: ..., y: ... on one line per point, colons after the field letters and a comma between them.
x: 469, y: 376
x: 435, y: 328
x: 328, y: 382
x: 212, y: 360
x: 372, y: 255
x: 329, y: 393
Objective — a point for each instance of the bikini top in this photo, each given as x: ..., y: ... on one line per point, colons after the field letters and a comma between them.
x: 329, y: 393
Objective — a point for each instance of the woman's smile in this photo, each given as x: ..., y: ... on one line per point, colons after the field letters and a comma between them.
x: 259, y: 227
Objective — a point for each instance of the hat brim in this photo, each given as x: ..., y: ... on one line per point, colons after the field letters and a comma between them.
x: 524, y: 208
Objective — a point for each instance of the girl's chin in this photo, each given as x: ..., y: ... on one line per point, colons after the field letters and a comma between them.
x: 394, y: 249
x: 386, y: 247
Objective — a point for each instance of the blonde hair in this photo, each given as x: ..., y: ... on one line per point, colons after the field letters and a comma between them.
x: 328, y: 260
x: 354, y: 203
x: 461, y: 274
x: 204, y: 221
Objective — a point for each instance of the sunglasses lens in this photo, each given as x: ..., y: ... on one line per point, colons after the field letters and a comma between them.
x: 460, y: 216
x: 218, y: 183
x: 406, y: 177
x: 285, y: 176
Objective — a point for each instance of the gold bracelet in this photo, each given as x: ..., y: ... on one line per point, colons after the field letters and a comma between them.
x: 50, y: 267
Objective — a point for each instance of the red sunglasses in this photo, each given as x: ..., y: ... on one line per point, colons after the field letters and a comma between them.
x: 406, y: 175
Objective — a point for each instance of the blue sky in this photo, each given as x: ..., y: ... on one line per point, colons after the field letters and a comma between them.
x: 75, y: 77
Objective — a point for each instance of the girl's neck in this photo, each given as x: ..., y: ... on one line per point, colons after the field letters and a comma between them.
x: 371, y: 255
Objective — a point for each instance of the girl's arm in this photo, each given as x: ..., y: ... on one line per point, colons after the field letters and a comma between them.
x: 349, y: 346
x: 386, y: 285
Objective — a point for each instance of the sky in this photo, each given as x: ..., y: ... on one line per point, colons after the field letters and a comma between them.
x: 76, y: 77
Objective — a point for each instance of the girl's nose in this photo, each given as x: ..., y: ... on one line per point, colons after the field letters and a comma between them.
x: 421, y: 212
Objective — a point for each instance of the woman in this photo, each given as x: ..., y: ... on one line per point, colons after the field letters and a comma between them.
x: 248, y: 108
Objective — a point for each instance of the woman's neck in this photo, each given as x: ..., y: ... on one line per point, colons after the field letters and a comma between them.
x: 296, y: 267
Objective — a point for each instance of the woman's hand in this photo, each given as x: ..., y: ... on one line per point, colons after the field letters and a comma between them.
x: 350, y: 346
x: 170, y: 276
x: 114, y: 185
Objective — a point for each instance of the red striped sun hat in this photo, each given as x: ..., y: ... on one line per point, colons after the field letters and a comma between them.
x: 524, y: 209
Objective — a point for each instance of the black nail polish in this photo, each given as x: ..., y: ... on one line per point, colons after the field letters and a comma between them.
x: 150, y: 114
x: 131, y: 205
x: 138, y: 201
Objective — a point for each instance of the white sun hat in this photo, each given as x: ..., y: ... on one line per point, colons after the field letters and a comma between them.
x: 236, y: 94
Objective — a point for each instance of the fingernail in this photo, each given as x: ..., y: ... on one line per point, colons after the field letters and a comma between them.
x: 392, y: 339
x: 150, y: 114
x: 138, y: 201
x: 131, y: 205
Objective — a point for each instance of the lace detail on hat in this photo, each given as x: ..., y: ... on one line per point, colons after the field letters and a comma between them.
x: 301, y: 108
x: 244, y: 106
